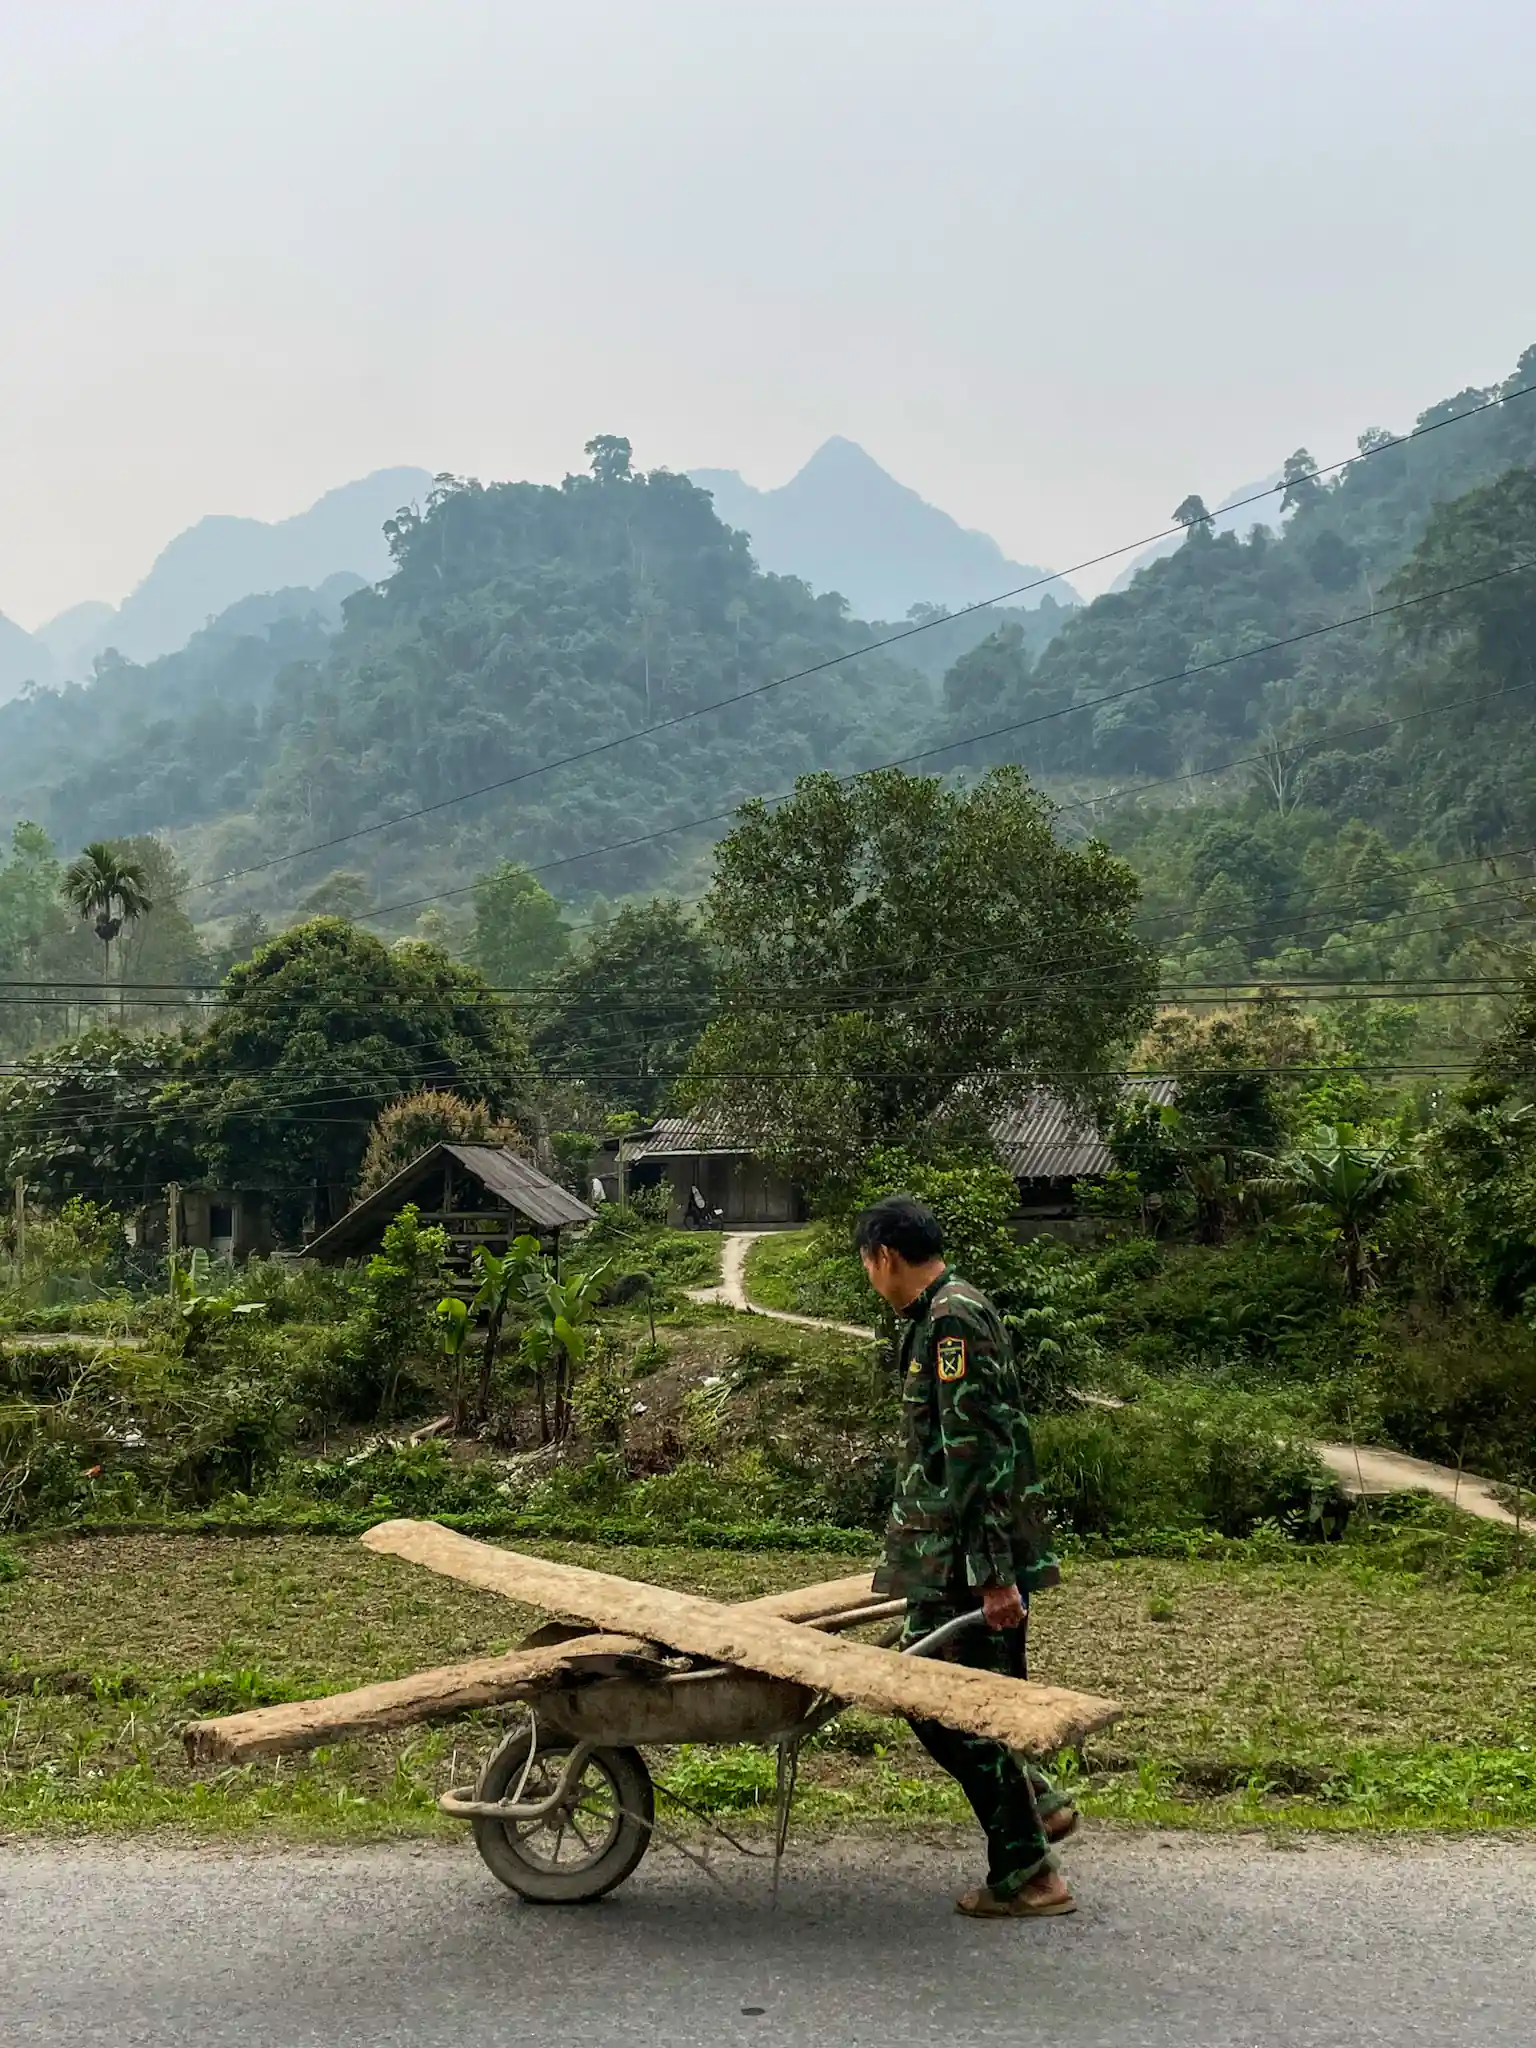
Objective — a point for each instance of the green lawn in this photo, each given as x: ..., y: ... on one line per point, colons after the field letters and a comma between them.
x: 1310, y: 1693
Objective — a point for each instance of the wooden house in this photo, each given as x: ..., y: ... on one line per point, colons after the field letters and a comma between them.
x: 1048, y: 1146
x: 687, y: 1152
x: 480, y: 1194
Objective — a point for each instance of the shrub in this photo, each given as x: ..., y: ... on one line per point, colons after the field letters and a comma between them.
x: 397, y: 1323
x: 636, y: 1245
x: 1460, y: 1391
x: 602, y: 1396
x: 1267, y: 1305
x: 409, y: 1479
x: 1187, y: 1458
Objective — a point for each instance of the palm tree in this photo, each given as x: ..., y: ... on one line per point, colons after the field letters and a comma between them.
x: 107, y: 892
x: 1334, y: 1175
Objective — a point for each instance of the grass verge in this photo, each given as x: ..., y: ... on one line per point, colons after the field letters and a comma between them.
x: 1314, y: 1693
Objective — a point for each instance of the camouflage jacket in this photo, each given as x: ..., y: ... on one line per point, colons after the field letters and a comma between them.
x: 966, y: 1511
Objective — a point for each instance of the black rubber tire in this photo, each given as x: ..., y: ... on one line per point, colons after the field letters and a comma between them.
x: 634, y: 1799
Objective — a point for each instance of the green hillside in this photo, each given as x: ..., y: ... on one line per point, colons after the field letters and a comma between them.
x: 526, y: 623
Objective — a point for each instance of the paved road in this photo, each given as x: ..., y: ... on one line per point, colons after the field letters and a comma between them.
x: 1180, y: 1944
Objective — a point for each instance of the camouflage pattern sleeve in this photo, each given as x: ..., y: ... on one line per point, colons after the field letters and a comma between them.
x: 976, y: 1430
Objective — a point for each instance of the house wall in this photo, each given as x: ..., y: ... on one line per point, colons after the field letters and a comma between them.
x: 1049, y: 1209
x: 220, y: 1221
x: 743, y: 1189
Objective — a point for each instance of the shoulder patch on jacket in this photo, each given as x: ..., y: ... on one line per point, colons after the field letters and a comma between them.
x: 951, y: 1353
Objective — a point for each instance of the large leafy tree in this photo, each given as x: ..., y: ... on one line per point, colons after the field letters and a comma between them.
x: 519, y: 931
x: 625, y: 1013
x: 88, y: 1117
x: 895, y: 951
x: 315, y: 1034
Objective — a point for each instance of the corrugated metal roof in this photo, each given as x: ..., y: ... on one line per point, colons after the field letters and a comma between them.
x: 522, y: 1187
x: 682, y: 1137
x: 1042, y: 1137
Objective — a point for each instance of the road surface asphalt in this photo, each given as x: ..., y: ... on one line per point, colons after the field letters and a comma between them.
x: 1182, y: 1942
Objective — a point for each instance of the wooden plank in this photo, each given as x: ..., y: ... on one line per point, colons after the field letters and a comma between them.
x: 1038, y: 1719
x: 398, y: 1702
x: 810, y: 1603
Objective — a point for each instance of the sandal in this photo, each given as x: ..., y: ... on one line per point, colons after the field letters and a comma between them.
x: 983, y: 1904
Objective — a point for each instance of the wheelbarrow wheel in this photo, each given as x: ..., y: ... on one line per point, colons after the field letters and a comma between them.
x: 589, y: 1844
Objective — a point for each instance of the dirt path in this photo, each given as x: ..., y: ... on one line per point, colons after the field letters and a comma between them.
x: 732, y: 1290
x: 1359, y: 1469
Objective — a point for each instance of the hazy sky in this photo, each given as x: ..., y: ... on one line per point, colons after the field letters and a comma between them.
x: 1053, y: 262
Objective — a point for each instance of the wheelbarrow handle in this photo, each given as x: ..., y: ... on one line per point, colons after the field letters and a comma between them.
x: 936, y: 1639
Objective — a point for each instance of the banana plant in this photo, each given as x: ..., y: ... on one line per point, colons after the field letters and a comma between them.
x: 196, y: 1303
x: 557, y: 1339
x: 1347, y: 1183
x: 503, y: 1281
x: 453, y: 1334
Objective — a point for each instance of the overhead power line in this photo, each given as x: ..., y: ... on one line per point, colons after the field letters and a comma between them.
x: 995, y: 732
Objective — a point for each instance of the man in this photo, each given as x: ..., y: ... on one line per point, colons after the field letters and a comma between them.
x: 966, y: 1532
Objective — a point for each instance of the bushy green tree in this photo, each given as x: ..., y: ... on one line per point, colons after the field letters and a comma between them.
x: 314, y: 1036
x: 520, y: 935
x: 88, y: 1117
x: 624, y: 1013
x: 893, y: 949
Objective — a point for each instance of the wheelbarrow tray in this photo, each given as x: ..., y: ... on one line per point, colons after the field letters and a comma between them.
x: 721, y: 1705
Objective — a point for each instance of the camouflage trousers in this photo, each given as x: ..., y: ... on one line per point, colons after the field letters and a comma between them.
x: 1009, y: 1796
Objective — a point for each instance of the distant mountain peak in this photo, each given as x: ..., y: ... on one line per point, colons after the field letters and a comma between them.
x: 226, y: 556
x: 844, y: 523
x: 837, y: 452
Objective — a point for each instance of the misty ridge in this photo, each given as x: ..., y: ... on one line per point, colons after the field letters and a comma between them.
x: 510, y: 625
x: 841, y: 523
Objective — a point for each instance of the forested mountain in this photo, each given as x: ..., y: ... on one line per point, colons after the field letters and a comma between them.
x: 1342, y: 541
x: 522, y: 622
x: 526, y: 623
x: 1239, y: 512
x: 222, y: 559
x: 845, y: 524
x: 142, y: 749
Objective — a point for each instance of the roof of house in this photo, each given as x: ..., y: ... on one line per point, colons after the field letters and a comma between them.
x: 543, y: 1202
x: 1043, y: 1137
x: 1039, y: 1137
x: 681, y: 1137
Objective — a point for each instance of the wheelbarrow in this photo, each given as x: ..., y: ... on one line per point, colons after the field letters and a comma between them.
x: 565, y: 1806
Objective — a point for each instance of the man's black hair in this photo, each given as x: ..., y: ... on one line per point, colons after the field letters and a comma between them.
x: 902, y: 1224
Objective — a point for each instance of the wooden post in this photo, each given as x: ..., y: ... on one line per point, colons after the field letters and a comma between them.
x: 172, y: 1221
x: 21, y: 1220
